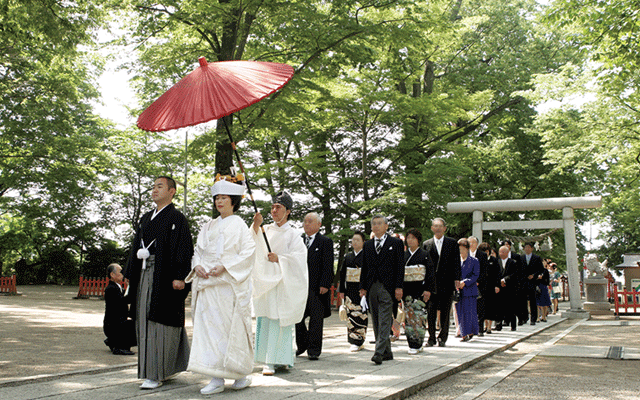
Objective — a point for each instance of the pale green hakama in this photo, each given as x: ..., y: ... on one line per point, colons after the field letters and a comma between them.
x: 280, y: 293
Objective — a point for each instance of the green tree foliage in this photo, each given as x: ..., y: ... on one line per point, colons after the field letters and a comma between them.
x: 50, y: 154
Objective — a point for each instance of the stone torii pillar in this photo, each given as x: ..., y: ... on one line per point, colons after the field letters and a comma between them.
x: 566, y: 204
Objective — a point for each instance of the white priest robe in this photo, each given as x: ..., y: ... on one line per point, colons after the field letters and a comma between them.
x: 280, y: 289
x: 221, y: 306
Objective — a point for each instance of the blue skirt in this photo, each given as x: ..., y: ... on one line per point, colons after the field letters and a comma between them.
x: 542, y: 298
x: 467, y: 312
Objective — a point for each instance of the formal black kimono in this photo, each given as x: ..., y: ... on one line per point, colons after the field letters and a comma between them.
x: 350, y: 286
x: 415, y: 284
x: 163, y: 347
x: 120, y: 330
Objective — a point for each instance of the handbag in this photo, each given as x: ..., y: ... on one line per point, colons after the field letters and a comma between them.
x: 456, y: 296
x: 401, y: 313
x: 556, y: 289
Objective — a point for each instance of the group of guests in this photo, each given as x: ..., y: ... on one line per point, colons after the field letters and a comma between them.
x: 484, y: 289
x: 285, y: 277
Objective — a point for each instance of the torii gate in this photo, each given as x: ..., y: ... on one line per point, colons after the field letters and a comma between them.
x: 566, y: 204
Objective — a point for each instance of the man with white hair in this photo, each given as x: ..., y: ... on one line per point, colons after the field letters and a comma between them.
x: 320, y: 266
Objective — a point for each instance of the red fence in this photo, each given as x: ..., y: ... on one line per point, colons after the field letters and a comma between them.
x: 8, y: 284
x: 93, y: 287
x: 626, y: 300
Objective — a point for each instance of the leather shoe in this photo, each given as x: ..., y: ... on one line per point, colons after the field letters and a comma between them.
x: 377, y: 358
x: 498, y: 327
x: 431, y: 343
x: 441, y: 343
x: 299, y: 352
x: 533, y: 322
x: 513, y: 328
x: 520, y: 323
x: 387, y: 357
x: 122, y: 352
x: 313, y: 357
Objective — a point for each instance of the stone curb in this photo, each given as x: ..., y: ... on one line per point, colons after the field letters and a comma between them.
x: 430, y: 380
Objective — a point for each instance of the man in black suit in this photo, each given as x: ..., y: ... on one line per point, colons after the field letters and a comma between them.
x: 509, y: 281
x: 482, y: 283
x: 381, y: 280
x: 320, y: 265
x: 120, y: 330
x: 532, y: 266
x: 445, y: 254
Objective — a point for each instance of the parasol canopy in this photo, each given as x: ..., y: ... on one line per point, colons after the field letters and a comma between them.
x: 212, y: 91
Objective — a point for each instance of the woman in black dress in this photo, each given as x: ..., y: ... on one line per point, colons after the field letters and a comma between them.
x: 349, y: 288
x: 491, y: 288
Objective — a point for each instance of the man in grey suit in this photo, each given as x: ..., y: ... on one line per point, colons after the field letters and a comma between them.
x: 445, y: 253
x: 381, y: 280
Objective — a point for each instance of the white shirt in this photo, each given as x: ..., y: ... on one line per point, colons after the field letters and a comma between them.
x: 381, y: 240
x: 439, y: 244
x: 310, y: 239
x: 473, y: 253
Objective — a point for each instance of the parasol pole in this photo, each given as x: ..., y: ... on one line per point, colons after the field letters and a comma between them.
x: 246, y: 178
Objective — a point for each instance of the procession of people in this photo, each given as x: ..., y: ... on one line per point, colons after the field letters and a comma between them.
x: 282, y: 276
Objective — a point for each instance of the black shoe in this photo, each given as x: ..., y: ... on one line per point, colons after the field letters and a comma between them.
x: 299, y: 352
x: 313, y: 358
x: 533, y: 322
x: 387, y: 357
x: 430, y: 343
x: 377, y: 358
x: 498, y: 327
x: 441, y: 343
x: 122, y: 352
x: 513, y: 328
x: 520, y: 323
x: 481, y: 334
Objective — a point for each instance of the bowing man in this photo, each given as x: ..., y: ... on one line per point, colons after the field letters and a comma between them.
x: 445, y: 253
x: 381, y: 280
x: 120, y: 331
x: 320, y: 265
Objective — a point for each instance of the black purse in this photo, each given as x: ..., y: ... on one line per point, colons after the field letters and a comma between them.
x: 456, y: 296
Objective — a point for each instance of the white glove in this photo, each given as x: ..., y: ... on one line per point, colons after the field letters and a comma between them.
x: 363, y: 304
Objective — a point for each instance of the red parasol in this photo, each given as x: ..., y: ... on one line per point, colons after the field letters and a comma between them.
x: 212, y: 91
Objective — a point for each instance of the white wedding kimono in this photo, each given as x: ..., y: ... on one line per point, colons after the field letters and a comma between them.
x: 280, y: 292
x: 221, y: 306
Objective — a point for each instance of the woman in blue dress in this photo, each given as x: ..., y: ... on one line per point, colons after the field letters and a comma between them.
x: 542, y: 293
x: 466, y: 308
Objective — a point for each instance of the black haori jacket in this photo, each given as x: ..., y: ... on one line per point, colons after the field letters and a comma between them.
x: 174, y: 250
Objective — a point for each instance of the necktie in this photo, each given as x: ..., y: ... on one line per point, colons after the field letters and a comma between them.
x: 378, y: 245
x: 307, y: 241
